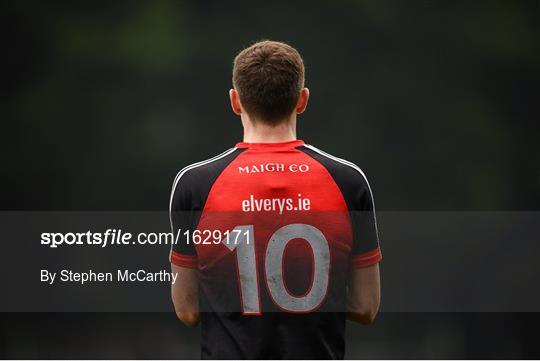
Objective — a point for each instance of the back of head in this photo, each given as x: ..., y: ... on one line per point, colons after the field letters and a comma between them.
x: 268, y: 77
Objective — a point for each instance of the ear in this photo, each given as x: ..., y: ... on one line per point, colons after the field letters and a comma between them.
x: 235, y: 102
x: 302, y: 101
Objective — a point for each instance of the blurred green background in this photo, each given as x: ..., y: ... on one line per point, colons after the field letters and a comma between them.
x: 437, y: 101
x: 103, y: 102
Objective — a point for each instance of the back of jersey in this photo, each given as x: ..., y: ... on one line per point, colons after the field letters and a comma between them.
x: 273, y: 229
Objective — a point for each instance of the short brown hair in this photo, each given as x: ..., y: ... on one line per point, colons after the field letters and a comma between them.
x: 268, y: 76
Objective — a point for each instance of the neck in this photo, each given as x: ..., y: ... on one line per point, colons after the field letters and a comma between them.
x: 257, y: 132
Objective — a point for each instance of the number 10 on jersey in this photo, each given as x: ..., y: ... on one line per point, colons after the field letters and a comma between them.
x: 273, y: 270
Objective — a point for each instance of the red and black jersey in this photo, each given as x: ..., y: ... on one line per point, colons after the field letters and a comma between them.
x: 274, y: 229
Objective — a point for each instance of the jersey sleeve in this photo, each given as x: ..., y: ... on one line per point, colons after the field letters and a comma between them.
x: 182, y: 218
x: 365, y: 247
x: 189, y: 193
x: 356, y: 192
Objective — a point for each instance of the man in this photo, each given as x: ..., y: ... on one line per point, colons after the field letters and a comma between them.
x: 278, y: 240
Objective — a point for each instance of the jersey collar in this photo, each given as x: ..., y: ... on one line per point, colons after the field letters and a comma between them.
x: 271, y: 145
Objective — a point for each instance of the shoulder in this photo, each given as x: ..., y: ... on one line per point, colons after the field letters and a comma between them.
x: 342, y: 170
x: 350, y: 179
x: 203, y: 167
x: 201, y: 174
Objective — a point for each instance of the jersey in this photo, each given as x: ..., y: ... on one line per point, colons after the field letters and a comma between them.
x: 273, y: 229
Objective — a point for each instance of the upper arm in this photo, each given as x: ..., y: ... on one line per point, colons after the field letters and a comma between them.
x: 185, y: 294
x: 363, y: 294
